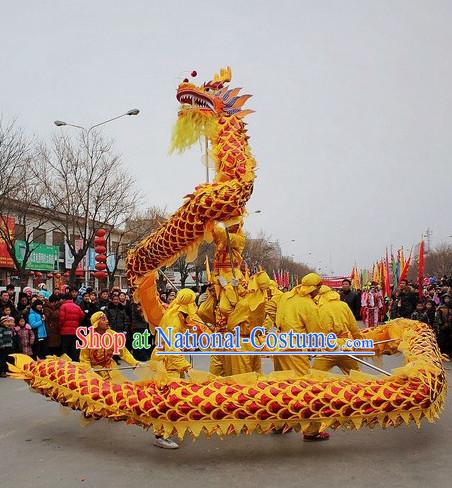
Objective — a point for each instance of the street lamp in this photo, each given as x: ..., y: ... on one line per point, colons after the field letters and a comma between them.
x: 62, y: 123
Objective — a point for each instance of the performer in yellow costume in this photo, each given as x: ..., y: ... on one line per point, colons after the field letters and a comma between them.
x: 100, y: 358
x: 230, y: 243
x: 274, y: 295
x: 180, y: 315
x: 297, y: 311
x: 336, y: 317
x: 248, y: 313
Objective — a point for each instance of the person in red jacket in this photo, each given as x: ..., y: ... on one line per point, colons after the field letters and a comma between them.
x: 71, y: 316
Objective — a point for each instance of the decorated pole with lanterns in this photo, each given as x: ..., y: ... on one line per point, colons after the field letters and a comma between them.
x: 100, y: 248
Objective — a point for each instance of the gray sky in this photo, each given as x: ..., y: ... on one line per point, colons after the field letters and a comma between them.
x: 353, y: 99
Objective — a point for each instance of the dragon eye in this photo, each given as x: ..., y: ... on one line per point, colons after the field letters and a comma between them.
x: 207, y: 88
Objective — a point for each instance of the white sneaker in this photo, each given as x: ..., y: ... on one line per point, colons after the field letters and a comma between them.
x: 165, y: 443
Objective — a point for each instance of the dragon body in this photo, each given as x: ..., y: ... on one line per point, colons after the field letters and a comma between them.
x: 252, y: 403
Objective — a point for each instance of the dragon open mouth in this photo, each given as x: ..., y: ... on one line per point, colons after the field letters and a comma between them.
x: 194, y: 99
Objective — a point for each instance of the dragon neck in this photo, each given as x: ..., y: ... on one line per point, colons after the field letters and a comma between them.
x: 231, y: 152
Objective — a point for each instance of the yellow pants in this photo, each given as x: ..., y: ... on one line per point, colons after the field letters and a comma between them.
x: 217, y: 365
x: 325, y: 363
x: 298, y: 364
x: 242, y: 364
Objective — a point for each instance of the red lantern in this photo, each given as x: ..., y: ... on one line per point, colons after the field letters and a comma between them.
x: 101, y: 258
x: 100, y: 249
x: 101, y: 266
x: 100, y: 275
x: 100, y: 241
x: 79, y: 272
x: 100, y: 232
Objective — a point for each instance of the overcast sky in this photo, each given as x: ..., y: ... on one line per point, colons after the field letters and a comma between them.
x: 352, y: 131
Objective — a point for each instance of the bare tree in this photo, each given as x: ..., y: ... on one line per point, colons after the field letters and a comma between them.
x: 21, y: 195
x: 14, y: 150
x: 438, y: 262
x: 87, y: 186
x: 261, y: 252
x: 205, y: 250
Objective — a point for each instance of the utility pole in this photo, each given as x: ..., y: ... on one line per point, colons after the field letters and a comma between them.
x: 428, y: 236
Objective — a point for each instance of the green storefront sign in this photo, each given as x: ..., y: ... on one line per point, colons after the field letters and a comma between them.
x: 42, y: 257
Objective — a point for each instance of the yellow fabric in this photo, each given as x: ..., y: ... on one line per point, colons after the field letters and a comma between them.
x: 308, y: 284
x: 125, y: 354
x: 271, y: 306
x: 299, y: 313
x: 250, y: 310
x: 248, y: 313
x: 206, y: 309
x: 183, y: 303
x: 216, y: 366
x: 325, y: 363
x: 336, y: 316
x: 95, y: 318
x: 257, y: 287
x: 242, y: 363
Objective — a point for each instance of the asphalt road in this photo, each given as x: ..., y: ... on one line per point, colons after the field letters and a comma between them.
x: 40, y: 447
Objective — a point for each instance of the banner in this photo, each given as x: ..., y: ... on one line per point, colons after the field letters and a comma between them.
x: 42, y: 257
x: 111, y: 261
x: 69, y: 258
x: 7, y: 223
x: 91, y: 259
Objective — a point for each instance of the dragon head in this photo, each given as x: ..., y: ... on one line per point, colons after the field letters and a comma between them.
x: 202, y: 105
x: 213, y: 97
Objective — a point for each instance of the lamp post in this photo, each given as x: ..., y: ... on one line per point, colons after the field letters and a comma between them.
x: 62, y: 123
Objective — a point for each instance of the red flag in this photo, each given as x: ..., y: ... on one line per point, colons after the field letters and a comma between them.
x: 387, y: 277
x: 420, y: 279
x: 406, y: 267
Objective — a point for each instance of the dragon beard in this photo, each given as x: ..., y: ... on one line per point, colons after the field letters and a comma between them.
x: 190, y: 126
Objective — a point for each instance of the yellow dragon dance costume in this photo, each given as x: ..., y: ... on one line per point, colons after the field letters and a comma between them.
x: 242, y: 403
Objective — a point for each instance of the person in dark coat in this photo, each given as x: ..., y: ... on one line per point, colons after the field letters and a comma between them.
x: 117, y: 316
x: 443, y: 325
x: 5, y: 301
x: 351, y: 298
x: 140, y: 325
x: 52, y: 314
x: 89, y: 309
x: 406, y: 300
x: 103, y: 300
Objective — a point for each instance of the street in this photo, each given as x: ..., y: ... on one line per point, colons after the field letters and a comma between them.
x: 41, y: 447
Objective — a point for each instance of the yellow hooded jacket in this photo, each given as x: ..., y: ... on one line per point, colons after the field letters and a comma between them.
x: 336, y: 315
x: 180, y: 311
x: 297, y: 311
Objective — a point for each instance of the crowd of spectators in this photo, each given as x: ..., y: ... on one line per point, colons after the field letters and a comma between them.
x: 38, y: 323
